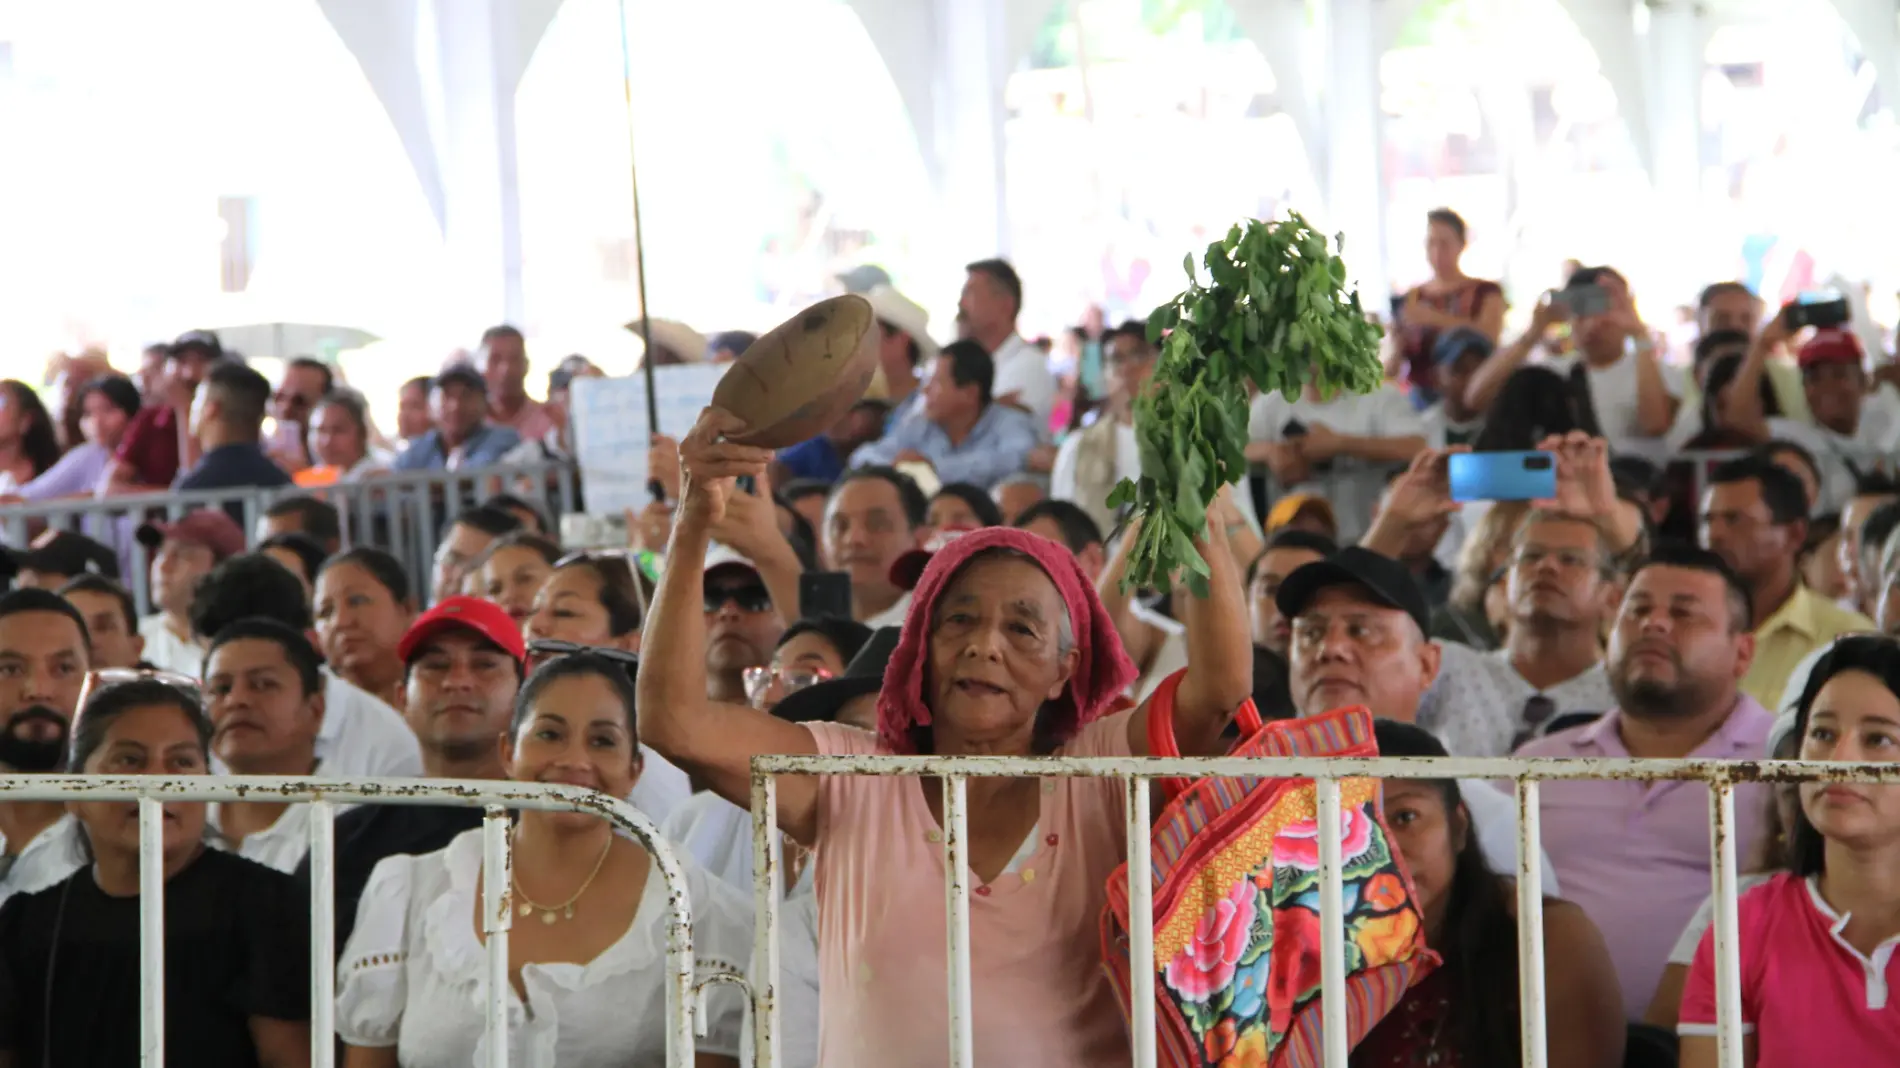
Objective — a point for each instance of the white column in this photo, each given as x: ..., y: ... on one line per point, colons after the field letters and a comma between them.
x: 973, y: 65
x: 474, y: 102
x: 1676, y: 46
x: 1354, y: 175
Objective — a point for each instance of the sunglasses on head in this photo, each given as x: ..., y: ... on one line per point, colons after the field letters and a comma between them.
x: 551, y: 647
x: 759, y: 679
x: 102, y: 677
x: 751, y: 597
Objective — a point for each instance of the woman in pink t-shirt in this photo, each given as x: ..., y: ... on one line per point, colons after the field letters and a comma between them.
x: 1006, y: 651
x: 1818, y: 941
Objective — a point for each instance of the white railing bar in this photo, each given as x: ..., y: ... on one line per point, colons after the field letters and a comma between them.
x: 1332, y: 930
x: 322, y: 934
x: 1141, y: 921
x: 1542, y: 768
x: 1530, y: 925
x: 766, y: 881
x: 1728, y: 972
x: 151, y: 934
x: 956, y: 859
x: 498, y: 916
x: 151, y: 791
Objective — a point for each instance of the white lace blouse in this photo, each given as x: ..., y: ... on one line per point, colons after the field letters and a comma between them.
x: 412, y: 974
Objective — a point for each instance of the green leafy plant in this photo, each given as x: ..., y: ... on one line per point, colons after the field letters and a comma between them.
x: 1275, y: 313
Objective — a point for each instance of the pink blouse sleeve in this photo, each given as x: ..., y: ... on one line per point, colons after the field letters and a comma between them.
x: 1697, y: 1014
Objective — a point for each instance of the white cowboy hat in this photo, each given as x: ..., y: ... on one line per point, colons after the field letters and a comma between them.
x: 905, y: 314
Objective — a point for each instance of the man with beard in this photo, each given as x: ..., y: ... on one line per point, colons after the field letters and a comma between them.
x: 742, y: 629
x: 44, y: 657
x: 463, y: 663
x: 1635, y: 855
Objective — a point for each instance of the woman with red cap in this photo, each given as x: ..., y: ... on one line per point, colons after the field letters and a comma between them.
x: 1006, y: 651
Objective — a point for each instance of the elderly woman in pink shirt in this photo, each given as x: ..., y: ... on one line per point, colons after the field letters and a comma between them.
x: 1006, y: 651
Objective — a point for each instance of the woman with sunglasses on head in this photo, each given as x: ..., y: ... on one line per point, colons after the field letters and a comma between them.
x: 587, y: 953
x: 363, y: 606
x: 237, y: 944
x: 1817, y: 941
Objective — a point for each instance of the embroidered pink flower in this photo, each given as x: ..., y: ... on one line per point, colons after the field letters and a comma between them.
x: 1206, y: 965
x: 1297, y: 845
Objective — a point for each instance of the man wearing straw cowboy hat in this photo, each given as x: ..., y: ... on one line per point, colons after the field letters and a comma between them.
x: 906, y: 346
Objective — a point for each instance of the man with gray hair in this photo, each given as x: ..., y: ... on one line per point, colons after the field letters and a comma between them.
x: 1359, y: 622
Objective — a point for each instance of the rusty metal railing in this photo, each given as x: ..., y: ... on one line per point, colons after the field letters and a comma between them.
x: 496, y: 798
x: 1721, y: 776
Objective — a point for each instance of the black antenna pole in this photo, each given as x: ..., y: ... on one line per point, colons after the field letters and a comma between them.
x: 654, y: 485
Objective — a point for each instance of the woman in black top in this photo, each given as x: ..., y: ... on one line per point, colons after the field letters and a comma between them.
x: 237, y: 956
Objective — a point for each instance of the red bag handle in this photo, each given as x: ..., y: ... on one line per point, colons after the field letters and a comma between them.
x: 1161, y: 739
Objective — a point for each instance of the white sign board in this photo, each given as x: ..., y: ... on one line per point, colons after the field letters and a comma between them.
x: 611, y: 434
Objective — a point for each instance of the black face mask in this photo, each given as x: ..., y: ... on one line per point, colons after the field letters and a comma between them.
x: 34, y: 756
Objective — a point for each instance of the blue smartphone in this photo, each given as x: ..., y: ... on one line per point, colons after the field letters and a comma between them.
x: 1502, y: 476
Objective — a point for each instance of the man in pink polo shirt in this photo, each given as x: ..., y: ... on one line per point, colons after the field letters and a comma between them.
x: 1635, y: 855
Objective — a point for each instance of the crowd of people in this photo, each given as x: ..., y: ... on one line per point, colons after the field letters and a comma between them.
x: 1716, y: 575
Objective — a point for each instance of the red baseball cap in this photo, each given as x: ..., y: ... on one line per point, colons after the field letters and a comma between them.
x: 1829, y: 346
x: 485, y: 618
x: 212, y: 528
x: 908, y: 568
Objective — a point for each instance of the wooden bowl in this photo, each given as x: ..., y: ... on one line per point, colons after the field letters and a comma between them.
x: 797, y: 381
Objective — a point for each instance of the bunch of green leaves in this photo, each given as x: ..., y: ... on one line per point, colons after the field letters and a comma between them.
x: 1275, y: 312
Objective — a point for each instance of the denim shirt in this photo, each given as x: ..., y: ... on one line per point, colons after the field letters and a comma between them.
x: 484, y: 447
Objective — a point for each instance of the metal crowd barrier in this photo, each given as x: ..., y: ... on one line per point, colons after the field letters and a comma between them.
x: 151, y: 793
x: 403, y: 512
x: 1721, y: 775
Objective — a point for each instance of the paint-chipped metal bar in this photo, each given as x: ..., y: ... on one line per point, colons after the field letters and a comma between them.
x: 1728, y: 965
x: 152, y: 792
x: 1530, y: 928
x: 498, y: 918
x: 1141, y: 921
x: 1548, y: 769
x: 1332, y: 923
x: 1327, y: 773
x: 151, y: 934
x: 956, y: 858
x: 766, y: 882
x: 322, y: 934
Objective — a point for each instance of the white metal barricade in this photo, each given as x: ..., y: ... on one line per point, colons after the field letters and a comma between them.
x: 404, y: 512
x: 496, y: 798
x: 1721, y: 776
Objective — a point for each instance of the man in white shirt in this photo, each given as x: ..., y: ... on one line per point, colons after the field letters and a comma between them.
x: 44, y: 657
x: 183, y: 552
x: 361, y: 736
x: 1635, y: 398
x: 1853, y: 433
x: 1455, y: 359
x: 1341, y: 447
x: 264, y: 694
x: 875, y: 515
x: 986, y: 314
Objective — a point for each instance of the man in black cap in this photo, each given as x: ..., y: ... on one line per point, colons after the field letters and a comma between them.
x: 1359, y: 622
x: 156, y: 446
x: 58, y: 556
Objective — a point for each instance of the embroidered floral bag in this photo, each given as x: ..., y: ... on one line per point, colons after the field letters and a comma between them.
x: 1236, y: 903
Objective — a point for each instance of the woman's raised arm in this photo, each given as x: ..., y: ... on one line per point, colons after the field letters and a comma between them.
x: 712, y: 740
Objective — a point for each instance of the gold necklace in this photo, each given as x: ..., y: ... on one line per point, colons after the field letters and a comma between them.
x: 565, y: 909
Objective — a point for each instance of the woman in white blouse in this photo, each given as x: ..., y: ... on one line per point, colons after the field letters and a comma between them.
x: 588, y: 947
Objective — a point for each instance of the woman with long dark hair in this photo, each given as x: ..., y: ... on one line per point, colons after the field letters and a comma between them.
x: 237, y: 947
x: 29, y: 441
x: 1465, y: 1014
x: 1817, y: 941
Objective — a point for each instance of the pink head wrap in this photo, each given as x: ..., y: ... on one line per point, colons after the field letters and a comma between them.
x: 1102, y: 669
